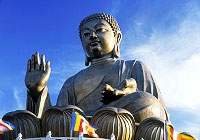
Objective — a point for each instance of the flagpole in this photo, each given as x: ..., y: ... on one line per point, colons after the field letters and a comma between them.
x: 71, y: 126
x: 164, y: 130
x: 71, y: 134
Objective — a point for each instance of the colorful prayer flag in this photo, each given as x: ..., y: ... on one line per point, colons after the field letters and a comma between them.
x: 5, y: 126
x: 184, y: 137
x: 169, y: 131
x: 80, y: 124
x: 171, y: 134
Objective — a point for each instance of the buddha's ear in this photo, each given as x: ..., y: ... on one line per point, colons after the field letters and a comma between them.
x: 116, y: 51
x: 87, y: 60
x: 118, y: 38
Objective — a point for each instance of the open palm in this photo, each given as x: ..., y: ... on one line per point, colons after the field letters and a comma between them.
x: 37, y: 74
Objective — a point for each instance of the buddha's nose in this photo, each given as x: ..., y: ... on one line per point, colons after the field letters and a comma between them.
x: 92, y: 35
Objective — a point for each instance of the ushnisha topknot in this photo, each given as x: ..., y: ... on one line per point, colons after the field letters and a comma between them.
x: 110, y: 19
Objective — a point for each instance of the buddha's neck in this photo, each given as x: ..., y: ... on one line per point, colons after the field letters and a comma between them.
x: 102, y: 60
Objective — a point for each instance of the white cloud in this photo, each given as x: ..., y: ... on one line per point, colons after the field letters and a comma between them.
x: 191, y: 128
x: 174, y: 60
x: 20, y: 102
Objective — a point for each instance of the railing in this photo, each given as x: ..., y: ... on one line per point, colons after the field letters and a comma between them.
x: 48, y: 137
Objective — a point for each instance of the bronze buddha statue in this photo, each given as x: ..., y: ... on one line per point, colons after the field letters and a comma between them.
x: 106, y: 85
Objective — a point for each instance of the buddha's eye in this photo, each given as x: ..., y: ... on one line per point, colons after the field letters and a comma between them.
x: 86, y: 34
x: 101, y: 30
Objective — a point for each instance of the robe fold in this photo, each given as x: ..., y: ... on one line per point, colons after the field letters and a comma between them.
x: 84, y: 89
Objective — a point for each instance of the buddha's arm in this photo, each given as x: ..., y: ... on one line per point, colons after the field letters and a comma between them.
x: 36, y: 78
x: 144, y: 79
x: 40, y: 104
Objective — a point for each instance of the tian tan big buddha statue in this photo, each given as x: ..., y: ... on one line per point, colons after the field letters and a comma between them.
x: 118, y: 96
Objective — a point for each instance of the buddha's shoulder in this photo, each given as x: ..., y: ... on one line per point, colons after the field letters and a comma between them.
x: 71, y: 79
x: 118, y: 63
x: 130, y: 62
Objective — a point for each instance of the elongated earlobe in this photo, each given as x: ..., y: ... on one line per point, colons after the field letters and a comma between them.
x: 116, y: 50
x: 87, y: 61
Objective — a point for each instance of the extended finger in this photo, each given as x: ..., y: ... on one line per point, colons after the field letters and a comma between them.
x: 103, y: 92
x: 108, y: 87
x: 118, y: 92
x: 37, y: 61
x: 47, y: 72
x: 103, y: 99
x: 48, y: 68
x: 42, y: 65
x: 33, y: 62
x: 29, y: 65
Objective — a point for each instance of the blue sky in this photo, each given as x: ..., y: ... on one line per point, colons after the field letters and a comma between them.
x: 164, y: 34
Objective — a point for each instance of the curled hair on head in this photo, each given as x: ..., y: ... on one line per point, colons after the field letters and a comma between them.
x: 110, y: 19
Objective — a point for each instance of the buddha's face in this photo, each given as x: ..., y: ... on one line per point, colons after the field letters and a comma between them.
x: 97, y: 38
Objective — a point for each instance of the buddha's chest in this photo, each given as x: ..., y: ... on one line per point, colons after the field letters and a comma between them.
x: 92, y: 80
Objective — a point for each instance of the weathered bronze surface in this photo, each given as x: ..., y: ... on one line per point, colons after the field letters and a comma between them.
x: 25, y: 122
x: 58, y: 121
x: 106, y: 82
x: 36, y: 78
x: 151, y: 129
x: 116, y: 80
x: 118, y: 121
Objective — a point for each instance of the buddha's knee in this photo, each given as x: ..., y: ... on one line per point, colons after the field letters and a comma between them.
x: 151, y: 129
x: 24, y: 122
x: 58, y: 121
x: 114, y: 120
x: 142, y: 105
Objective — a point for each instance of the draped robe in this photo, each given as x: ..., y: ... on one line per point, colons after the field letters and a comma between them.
x: 84, y: 89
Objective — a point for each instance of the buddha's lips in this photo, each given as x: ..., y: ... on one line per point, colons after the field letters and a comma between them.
x: 94, y: 43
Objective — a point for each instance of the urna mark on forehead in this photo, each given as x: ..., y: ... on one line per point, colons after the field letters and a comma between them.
x: 108, y: 18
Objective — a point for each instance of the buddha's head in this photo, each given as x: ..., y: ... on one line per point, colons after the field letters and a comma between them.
x: 100, y: 36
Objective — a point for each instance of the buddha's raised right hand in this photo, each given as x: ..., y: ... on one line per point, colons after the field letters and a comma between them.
x: 37, y: 74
